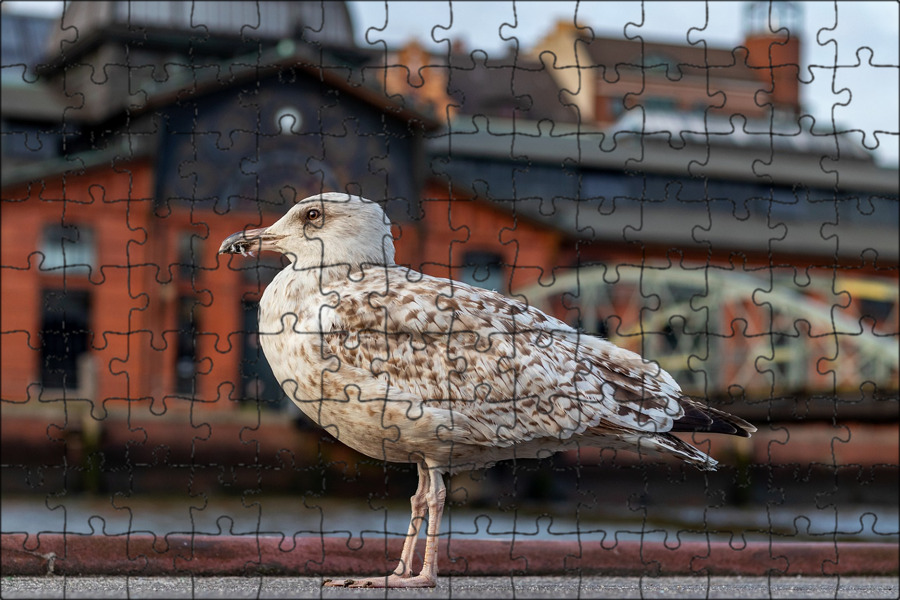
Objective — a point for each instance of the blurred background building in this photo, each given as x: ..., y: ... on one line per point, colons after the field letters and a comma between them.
x: 669, y: 197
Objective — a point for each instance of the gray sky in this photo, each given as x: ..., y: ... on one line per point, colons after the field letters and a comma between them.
x: 849, y: 35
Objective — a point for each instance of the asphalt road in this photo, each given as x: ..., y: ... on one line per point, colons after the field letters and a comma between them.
x: 456, y: 587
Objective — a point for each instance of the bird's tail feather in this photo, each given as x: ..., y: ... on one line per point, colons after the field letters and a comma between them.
x: 670, y: 445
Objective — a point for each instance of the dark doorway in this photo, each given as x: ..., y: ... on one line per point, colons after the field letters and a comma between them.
x: 65, y: 326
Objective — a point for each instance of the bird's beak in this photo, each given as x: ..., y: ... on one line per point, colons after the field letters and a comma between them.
x: 248, y: 241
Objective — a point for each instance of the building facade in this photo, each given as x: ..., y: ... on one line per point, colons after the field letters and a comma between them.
x: 502, y: 171
x: 114, y: 289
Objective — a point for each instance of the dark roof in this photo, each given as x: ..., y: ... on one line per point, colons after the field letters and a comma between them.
x: 204, y: 27
x: 478, y: 84
x: 673, y: 145
x: 618, y: 54
x: 299, y: 56
x: 506, y: 86
x: 41, y: 97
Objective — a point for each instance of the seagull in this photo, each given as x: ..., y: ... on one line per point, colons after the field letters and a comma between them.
x: 409, y: 368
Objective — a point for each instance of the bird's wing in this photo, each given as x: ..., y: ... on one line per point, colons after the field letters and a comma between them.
x: 509, y: 371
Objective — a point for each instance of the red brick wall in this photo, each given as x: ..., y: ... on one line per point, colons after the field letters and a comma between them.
x: 114, y: 203
x: 453, y: 226
x: 134, y: 290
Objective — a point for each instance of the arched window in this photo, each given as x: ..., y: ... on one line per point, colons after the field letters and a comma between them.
x: 67, y: 248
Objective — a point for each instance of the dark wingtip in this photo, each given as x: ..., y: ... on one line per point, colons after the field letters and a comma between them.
x: 698, y: 417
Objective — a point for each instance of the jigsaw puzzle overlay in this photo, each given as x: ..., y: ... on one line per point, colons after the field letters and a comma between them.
x: 447, y: 231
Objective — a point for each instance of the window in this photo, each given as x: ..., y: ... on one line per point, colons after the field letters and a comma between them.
x: 606, y: 184
x: 878, y: 309
x: 68, y: 249
x: 660, y: 104
x: 288, y: 120
x: 661, y: 64
x: 616, y: 106
x: 699, y: 107
x: 258, y: 383
x: 29, y: 141
x: 190, y: 251
x: 186, y: 339
x: 484, y: 270
x: 65, y: 325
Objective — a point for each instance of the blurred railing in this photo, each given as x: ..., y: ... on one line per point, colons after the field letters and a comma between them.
x: 722, y: 332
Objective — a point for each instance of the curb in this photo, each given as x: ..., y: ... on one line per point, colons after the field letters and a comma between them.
x: 179, y: 554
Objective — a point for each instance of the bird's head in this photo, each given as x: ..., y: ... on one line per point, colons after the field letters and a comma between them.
x: 323, y: 230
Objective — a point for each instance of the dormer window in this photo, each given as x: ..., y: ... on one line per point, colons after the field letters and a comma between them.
x: 659, y: 104
x: 660, y: 64
x: 288, y: 120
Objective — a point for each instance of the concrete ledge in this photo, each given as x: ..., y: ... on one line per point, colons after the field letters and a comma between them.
x: 148, y: 555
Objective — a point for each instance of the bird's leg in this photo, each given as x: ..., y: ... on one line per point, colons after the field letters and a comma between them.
x: 426, y: 496
x: 418, y: 508
x: 435, y: 497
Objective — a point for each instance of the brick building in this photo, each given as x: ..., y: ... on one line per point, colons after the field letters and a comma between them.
x: 117, y: 292
x: 117, y: 188
x: 492, y: 171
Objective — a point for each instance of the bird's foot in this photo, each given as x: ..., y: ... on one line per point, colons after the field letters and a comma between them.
x: 390, y: 581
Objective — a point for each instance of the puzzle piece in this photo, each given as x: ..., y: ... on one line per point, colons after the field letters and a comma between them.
x: 719, y: 199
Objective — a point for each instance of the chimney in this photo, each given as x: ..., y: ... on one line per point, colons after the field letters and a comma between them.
x: 772, y: 38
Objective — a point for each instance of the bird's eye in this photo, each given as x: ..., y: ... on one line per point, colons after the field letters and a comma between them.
x: 313, y: 214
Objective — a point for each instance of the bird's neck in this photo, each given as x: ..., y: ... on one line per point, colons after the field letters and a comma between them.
x: 304, y: 282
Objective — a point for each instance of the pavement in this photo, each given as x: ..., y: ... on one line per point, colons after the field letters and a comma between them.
x: 557, y: 587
